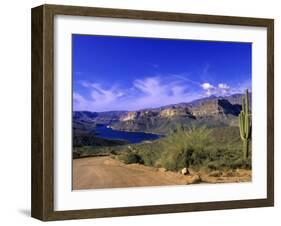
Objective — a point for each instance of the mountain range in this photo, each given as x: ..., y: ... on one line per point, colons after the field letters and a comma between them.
x: 211, y: 111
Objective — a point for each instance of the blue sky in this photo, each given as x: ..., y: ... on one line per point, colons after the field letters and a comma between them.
x: 123, y: 73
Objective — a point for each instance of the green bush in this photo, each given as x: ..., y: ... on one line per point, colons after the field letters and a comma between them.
x: 185, y: 147
x: 129, y: 158
x: 195, y: 147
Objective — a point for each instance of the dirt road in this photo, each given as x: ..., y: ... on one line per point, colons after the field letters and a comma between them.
x: 105, y: 172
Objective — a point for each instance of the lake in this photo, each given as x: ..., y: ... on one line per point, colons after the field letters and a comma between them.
x: 103, y: 131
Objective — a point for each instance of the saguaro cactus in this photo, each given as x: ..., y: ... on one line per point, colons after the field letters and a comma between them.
x: 245, y: 124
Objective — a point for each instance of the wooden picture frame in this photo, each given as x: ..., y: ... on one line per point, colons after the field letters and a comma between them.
x: 42, y: 205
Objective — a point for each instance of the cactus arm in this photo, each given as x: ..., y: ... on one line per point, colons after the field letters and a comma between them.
x: 243, y: 104
x: 246, y: 126
x: 241, y: 125
x: 247, y: 102
x: 247, y: 117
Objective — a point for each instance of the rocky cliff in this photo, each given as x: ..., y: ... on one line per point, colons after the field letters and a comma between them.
x: 211, y: 111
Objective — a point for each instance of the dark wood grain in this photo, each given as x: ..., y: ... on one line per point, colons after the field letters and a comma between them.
x: 156, y: 15
x: 42, y: 113
x: 37, y: 157
x: 270, y: 111
x: 43, y: 106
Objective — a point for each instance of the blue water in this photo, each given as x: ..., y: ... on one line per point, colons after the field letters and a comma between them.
x: 103, y: 131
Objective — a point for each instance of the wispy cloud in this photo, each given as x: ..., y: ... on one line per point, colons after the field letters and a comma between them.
x: 181, y: 77
x: 242, y: 86
x: 79, y: 101
x: 155, y: 92
x: 148, y: 92
x: 100, y: 97
x: 204, y: 73
x: 143, y: 93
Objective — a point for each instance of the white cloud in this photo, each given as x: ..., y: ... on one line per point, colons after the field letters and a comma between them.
x: 222, y: 89
x: 144, y: 93
x: 223, y: 86
x: 209, y: 89
x: 149, y: 92
x: 207, y: 86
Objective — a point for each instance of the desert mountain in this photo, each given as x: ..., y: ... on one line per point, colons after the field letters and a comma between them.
x: 212, y: 111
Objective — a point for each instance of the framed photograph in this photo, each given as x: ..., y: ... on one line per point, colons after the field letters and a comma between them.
x: 141, y: 112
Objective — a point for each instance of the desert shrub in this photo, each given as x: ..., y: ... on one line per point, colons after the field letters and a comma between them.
x: 241, y: 163
x: 148, y: 156
x: 213, y: 165
x: 129, y: 158
x: 175, y: 159
x: 216, y: 148
x: 198, y: 138
x: 225, y: 158
x: 185, y: 147
x: 91, y: 151
x: 148, y: 152
x: 195, y: 147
